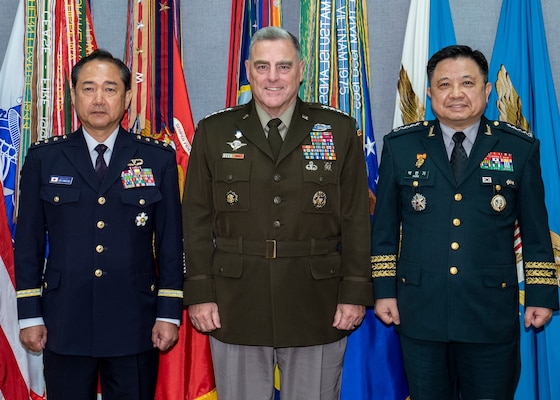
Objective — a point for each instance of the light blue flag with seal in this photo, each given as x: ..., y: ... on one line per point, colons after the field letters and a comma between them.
x: 520, y: 67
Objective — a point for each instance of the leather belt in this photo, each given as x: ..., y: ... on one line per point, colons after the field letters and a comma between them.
x: 278, y: 248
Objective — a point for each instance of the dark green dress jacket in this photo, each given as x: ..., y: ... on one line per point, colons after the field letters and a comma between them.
x: 277, y: 244
x: 454, y: 275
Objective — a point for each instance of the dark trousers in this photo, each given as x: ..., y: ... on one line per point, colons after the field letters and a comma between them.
x: 122, y: 378
x: 466, y: 371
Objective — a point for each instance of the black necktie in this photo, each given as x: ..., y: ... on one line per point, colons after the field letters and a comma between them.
x: 458, y: 155
x: 100, y: 165
x: 274, y: 138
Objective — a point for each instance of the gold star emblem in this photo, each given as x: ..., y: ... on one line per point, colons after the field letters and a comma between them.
x: 163, y: 7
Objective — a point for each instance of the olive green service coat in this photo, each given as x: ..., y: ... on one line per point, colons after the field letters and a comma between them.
x: 455, y: 278
x: 277, y: 245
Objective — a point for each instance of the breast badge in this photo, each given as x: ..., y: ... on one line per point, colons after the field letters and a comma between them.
x: 135, y: 176
x: 141, y: 219
x: 231, y: 197
x: 420, y: 158
x: 418, y: 202
x: 319, y: 199
x: 498, y: 201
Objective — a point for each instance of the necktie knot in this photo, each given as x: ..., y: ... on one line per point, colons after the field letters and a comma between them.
x: 100, y: 148
x: 274, y: 139
x: 100, y: 164
x: 274, y: 123
x: 458, y: 137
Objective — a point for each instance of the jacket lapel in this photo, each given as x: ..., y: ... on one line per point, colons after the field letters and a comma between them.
x: 300, y: 126
x: 123, y: 152
x: 484, y: 143
x: 77, y: 153
x: 252, y: 130
x: 433, y: 143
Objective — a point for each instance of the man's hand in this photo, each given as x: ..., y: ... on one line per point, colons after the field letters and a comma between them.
x: 537, y: 316
x: 164, y: 335
x: 348, y: 316
x: 205, y: 317
x: 34, y: 338
x: 387, y: 311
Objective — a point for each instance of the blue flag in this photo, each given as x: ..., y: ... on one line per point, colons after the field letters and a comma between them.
x: 522, y: 78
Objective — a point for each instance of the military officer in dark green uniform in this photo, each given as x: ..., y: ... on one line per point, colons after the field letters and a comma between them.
x: 456, y: 186
x: 277, y: 244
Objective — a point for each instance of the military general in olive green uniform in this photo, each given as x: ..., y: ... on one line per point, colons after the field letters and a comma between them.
x: 277, y: 245
x: 456, y: 186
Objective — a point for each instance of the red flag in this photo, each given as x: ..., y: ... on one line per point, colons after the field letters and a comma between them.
x: 14, y: 365
x: 185, y: 372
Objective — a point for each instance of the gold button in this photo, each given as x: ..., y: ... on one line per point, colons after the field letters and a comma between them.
x: 415, y: 183
x: 456, y: 221
x: 98, y: 273
x: 99, y: 248
x: 403, y: 280
x: 141, y: 202
x: 453, y: 270
x: 458, y: 197
x: 152, y: 288
x: 498, y: 187
x: 100, y: 224
x: 45, y: 285
x: 504, y: 285
x: 101, y: 200
x: 56, y: 199
x: 454, y: 246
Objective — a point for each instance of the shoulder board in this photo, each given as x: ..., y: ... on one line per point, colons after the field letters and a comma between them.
x: 507, y: 127
x: 413, y: 127
x: 225, y: 110
x: 50, y: 140
x: 154, y: 142
x: 320, y: 106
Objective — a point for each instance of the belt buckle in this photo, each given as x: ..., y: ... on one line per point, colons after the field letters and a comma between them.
x: 270, y: 249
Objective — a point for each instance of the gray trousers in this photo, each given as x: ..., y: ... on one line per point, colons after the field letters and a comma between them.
x: 306, y: 373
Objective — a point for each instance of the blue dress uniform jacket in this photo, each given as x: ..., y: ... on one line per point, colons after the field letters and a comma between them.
x: 277, y: 244
x: 114, y: 252
x: 454, y: 274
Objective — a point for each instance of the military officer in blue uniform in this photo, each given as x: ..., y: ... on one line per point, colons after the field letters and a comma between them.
x: 277, y: 245
x: 455, y: 187
x: 109, y: 297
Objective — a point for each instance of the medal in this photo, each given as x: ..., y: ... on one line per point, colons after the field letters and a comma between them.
x: 418, y: 202
x: 498, y: 203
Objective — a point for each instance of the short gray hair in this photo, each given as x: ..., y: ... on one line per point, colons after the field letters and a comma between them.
x: 274, y: 33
